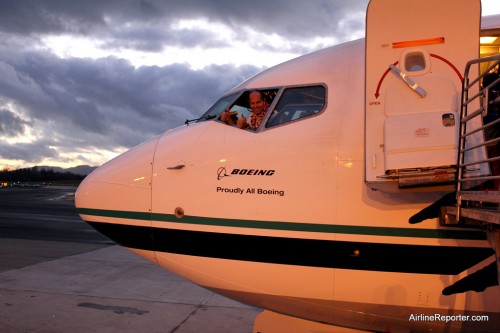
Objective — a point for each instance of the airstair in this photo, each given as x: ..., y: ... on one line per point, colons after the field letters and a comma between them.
x: 478, y: 196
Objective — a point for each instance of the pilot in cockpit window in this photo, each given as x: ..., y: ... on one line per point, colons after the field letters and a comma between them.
x: 258, y: 107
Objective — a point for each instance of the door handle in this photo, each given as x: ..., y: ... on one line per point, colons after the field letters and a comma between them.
x: 177, y: 167
x: 409, y: 82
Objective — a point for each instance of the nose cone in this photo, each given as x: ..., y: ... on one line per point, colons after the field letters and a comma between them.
x: 116, y: 198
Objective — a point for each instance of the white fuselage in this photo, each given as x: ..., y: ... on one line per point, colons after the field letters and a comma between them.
x: 305, y: 236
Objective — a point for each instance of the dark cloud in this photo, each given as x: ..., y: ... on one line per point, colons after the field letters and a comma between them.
x: 152, y: 38
x: 292, y: 19
x: 53, y: 16
x: 146, y: 24
x: 81, y: 106
x: 28, y: 152
x: 11, y: 124
x: 105, y: 103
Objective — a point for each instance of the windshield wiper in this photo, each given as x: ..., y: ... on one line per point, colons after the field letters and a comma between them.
x: 201, y: 118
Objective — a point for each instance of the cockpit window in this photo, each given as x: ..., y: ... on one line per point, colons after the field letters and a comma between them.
x: 218, y: 107
x: 242, y: 104
x: 292, y: 103
x: 296, y: 103
x: 250, y: 109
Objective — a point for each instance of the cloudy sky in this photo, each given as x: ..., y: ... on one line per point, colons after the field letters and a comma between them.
x: 81, y: 81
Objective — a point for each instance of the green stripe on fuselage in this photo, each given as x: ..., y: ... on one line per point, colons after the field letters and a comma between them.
x: 290, y: 226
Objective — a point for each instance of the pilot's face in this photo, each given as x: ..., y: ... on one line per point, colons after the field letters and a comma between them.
x: 256, y: 103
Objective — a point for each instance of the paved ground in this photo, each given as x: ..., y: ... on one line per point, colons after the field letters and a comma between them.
x: 58, y: 275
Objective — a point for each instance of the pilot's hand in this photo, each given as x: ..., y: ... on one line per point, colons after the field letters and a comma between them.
x: 225, y: 116
x: 242, y: 122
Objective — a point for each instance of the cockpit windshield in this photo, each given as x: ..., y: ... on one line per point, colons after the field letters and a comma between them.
x: 273, y: 106
x: 221, y: 105
x: 242, y: 105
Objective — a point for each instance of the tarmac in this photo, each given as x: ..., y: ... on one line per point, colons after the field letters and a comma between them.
x: 111, y: 290
x: 52, y: 284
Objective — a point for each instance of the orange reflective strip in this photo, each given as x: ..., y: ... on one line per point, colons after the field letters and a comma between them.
x: 419, y: 42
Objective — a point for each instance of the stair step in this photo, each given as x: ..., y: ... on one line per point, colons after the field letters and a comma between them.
x: 484, y: 196
x: 475, y: 214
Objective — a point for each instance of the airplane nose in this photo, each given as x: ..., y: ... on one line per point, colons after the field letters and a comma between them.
x: 116, y: 197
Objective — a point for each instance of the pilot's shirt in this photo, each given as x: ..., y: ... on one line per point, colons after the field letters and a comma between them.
x: 255, y: 120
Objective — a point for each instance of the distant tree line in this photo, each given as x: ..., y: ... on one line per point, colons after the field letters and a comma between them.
x: 36, y: 174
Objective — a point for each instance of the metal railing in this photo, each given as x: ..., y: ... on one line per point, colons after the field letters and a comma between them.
x: 472, y: 92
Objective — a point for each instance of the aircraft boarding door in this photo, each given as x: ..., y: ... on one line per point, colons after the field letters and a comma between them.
x: 415, y: 54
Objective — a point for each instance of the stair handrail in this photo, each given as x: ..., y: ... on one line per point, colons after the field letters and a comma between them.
x: 465, y: 116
